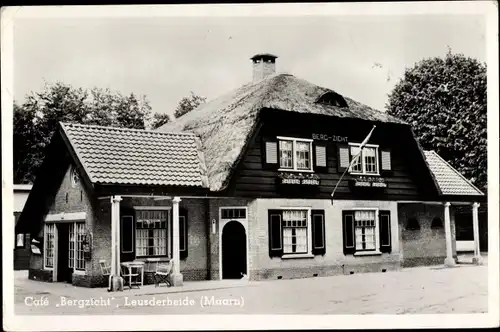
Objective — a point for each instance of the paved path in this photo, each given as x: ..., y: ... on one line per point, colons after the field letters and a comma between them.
x: 426, y: 290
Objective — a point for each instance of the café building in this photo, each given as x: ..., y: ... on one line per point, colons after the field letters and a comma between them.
x: 261, y: 182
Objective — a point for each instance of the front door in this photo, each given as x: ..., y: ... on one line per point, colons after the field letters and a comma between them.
x: 234, y: 251
x: 64, y: 271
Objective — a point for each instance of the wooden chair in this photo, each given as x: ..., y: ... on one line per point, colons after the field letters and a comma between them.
x: 129, y: 277
x: 106, y: 271
x: 162, y: 274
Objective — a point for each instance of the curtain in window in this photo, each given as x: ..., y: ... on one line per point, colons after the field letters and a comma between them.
x: 141, y: 242
x: 370, y: 160
x: 303, y: 155
x: 294, y: 231
x: 365, y: 230
x: 286, y: 154
x: 151, y: 233
x: 356, y: 166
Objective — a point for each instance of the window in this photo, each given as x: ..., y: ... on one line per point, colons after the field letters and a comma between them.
x: 437, y: 223
x: 295, y: 154
x: 229, y: 213
x: 49, y: 245
x: 80, y: 236
x: 366, y: 231
x: 367, y: 162
x: 295, y: 232
x: 364, y: 226
x: 151, y: 232
x: 76, y: 237
x: 20, y: 240
x: 71, y: 255
x: 332, y: 98
x: 286, y: 154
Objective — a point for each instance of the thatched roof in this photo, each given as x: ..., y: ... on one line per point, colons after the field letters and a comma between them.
x: 225, y: 124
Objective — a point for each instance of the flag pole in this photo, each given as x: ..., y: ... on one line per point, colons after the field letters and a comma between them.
x: 361, y: 147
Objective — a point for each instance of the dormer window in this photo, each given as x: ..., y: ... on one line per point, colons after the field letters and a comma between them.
x: 332, y: 98
x: 295, y: 154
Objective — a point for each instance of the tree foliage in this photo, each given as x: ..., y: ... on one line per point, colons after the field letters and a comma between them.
x: 444, y: 100
x: 187, y: 104
x: 159, y: 119
x: 36, y: 119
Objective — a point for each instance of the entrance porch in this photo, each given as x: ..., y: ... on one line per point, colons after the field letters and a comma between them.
x: 429, y: 232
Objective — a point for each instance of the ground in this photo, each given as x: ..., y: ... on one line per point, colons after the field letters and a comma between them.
x: 423, y: 290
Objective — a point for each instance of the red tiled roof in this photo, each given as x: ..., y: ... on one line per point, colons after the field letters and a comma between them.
x: 449, y: 180
x: 112, y: 155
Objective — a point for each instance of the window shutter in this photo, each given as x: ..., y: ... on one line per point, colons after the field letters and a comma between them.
x: 275, y: 234
x: 385, y: 161
x: 343, y: 157
x: 127, y: 232
x: 318, y: 232
x: 319, y: 154
x: 183, y: 234
x: 384, y: 220
x: 348, y: 232
x: 270, y: 153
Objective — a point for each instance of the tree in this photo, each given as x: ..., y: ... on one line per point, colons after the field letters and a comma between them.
x: 187, y: 104
x: 159, y: 119
x: 36, y: 119
x: 444, y: 100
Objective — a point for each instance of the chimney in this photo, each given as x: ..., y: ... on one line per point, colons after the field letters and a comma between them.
x: 264, y: 65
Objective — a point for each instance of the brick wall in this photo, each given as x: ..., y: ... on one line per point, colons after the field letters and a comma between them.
x: 426, y: 246
x: 334, y: 261
x: 68, y: 199
x: 193, y: 267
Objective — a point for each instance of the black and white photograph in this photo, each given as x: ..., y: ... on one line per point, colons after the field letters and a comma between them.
x: 250, y: 166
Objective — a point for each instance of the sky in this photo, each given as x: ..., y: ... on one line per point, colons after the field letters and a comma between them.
x: 165, y: 58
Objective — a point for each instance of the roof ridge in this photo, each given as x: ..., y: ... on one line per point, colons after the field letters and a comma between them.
x: 457, y: 172
x: 69, y: 124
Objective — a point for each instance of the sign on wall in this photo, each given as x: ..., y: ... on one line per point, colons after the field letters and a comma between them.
x: 330, y: 138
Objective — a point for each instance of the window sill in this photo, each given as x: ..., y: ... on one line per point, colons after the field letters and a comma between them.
x: 295, y: 170
x: 153, y: 259
x: 368, y: 253
x: 292, y: 256
x: 365, y: 174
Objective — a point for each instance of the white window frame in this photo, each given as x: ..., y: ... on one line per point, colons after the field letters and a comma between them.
x: 362, y: 156
x: 54, y: 249
x: 75, y: 251
x: 167, y: 233
x: 376, y: 251
x: 309, y: 233
x: 225, y: 208
x: 294, y: 141
x: 75, y: 269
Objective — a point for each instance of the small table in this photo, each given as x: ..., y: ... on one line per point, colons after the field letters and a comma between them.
x: 135, y: 265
